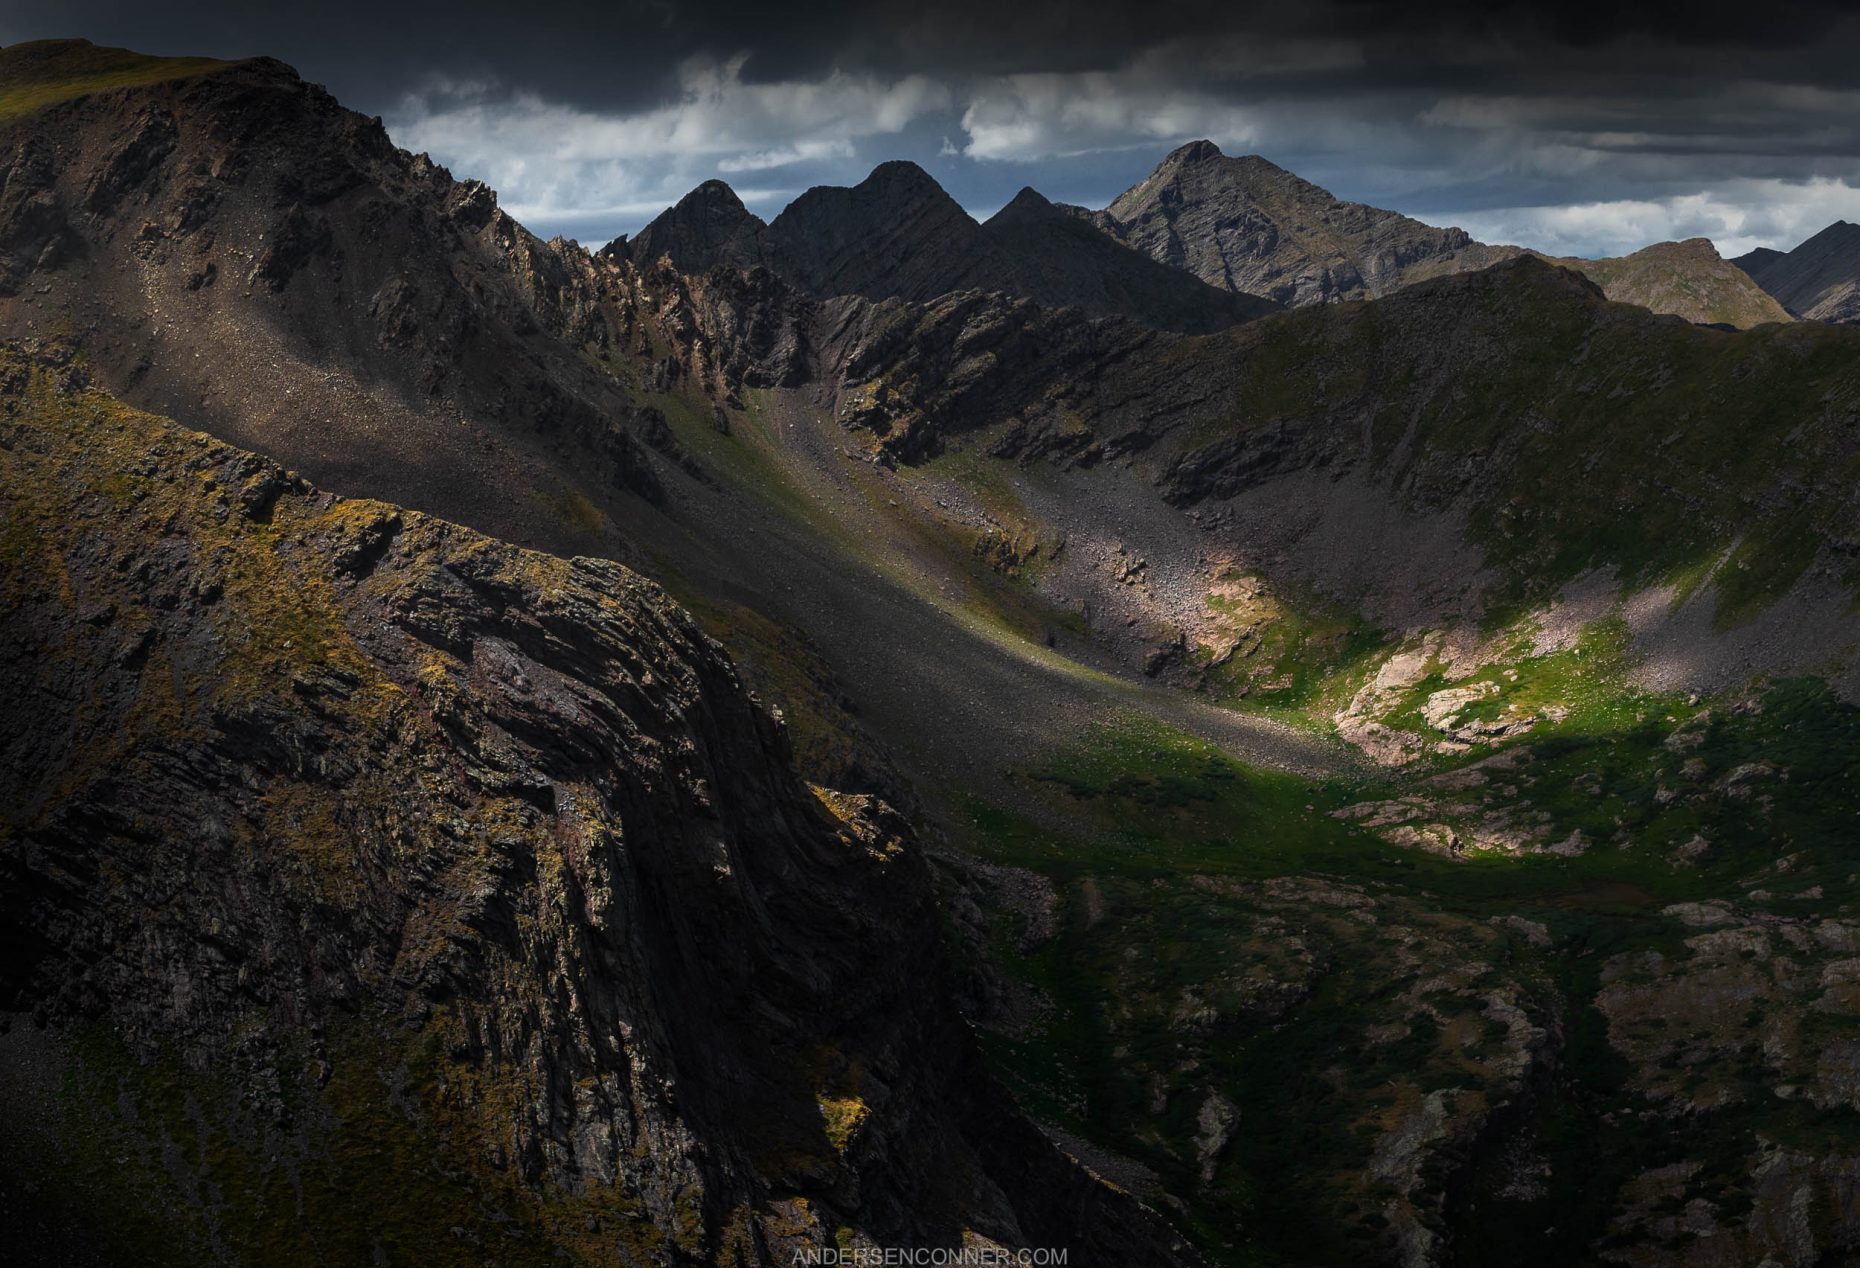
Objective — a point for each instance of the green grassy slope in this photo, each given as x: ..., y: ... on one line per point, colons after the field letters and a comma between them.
x: 45, y: 72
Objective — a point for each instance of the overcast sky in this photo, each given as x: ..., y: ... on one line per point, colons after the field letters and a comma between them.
x: 1575, y: 131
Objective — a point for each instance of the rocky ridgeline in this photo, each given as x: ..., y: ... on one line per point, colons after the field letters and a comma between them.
x: 899, y: 235
x: 487, y: 857
x: 237, y: 249
x: 1512, y: 411
x: 1819, y: 279
x: 1688, y: 279
x: 301, y: 783
x: 1247, y: 225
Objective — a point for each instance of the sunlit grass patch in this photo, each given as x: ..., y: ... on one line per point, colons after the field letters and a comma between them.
x: 47, y: 72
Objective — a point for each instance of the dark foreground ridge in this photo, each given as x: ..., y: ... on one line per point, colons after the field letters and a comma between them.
x: 447, y: 886
x: 1387, y: 769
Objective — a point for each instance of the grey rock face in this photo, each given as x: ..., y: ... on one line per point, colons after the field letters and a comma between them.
x: 708, y: 227
x: 1818, y: 280
x: 1248, y: 225
x: 1061, y: 259
x: 898, y: 235
x: 225, y: 236
x: 284, y: 761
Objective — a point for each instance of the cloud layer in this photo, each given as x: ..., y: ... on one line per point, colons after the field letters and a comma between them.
x: 571, y: 168
x: 1579, y: 130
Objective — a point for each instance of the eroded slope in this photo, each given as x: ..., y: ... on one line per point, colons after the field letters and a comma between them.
x: 355, y: 831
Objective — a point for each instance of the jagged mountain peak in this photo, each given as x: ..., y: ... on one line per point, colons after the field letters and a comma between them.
x: 1248, y: 225
x: 707, y: 227
x: 1202, y: 162
x: 896, y: 233
x: 1029, y: 202
x: 1819, y: 279
x: 901, y: 174
x: 713, y: 191
x: 893, y: 185
x: 1202, y: 151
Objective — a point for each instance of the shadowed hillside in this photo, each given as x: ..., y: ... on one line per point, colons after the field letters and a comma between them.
x: 1373, y: 781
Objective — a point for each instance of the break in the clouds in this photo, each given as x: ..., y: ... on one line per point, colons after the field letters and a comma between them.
x: 1577, y: 130
x: 572, y: 169
x: 1736, y: 216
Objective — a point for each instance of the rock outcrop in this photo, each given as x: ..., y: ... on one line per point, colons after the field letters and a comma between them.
x: 310, y: 794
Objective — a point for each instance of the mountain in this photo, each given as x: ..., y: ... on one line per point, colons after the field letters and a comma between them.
x: 405, y: 813
x: 707, y: 228
x: 1688, y: 279
x: 1574, y: 582
x: 1373, y: 782
x: 498, y: 830
x: 1248, y: 225
x: 1819, y: 280
x: 898, y: 234
x: 1582, y: 574
x: 1752, y: 261
x: 1060, y: 260
x: 240, y: 250
x: 1452, y: 399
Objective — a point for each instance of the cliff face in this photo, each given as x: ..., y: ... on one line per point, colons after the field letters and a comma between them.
x: 414, y: 835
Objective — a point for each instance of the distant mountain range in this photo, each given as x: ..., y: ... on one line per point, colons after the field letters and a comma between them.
x: 1241, y: 227
x: 898, y: 234
x: 526, y: 865
x: 1246, y: 224
x: 1819, y: 280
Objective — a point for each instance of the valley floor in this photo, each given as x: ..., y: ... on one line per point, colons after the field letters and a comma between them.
x: 1541, y: 991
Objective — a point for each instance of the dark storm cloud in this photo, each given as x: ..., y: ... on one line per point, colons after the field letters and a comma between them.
x: 1578, y: 128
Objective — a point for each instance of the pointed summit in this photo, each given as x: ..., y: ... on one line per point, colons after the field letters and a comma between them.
x: 707, y: 227
x: 1028, y: 204
x: 713, y: 192
x: 897, y: 232
x: 1064, y: 256
x: 901, y: 176
x: 1203, y: 151
x: 1819, y: 280
x: 1247, y: 225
